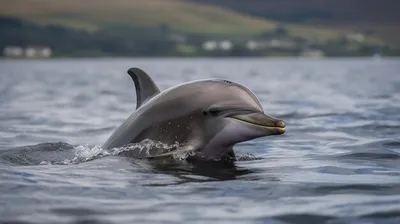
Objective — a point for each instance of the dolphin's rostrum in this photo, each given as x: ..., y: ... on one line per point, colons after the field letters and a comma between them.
x: 207, y: 117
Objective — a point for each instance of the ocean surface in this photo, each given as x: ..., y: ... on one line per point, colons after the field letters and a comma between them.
x: 338, y: 162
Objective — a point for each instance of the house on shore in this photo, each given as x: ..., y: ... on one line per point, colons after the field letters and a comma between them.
x: 211, y: 45
x: 28, y: 52
x: 13, y: 51
x: 38, y: 52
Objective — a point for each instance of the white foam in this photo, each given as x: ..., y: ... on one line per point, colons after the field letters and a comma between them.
x: 145, y: 148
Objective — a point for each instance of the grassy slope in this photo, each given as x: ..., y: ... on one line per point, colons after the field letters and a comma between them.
x: 379, y: 16
x: 179, y: 14
x: 93, y: 14
x: 338, y: 11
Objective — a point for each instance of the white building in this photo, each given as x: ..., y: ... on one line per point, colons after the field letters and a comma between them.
x: 210, y: 45
x: 252, y: 44
x: 41, y: 52
x: 13, y: 51
x: 226, y: 45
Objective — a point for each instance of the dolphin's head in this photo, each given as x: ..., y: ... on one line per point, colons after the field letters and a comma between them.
x: 232, y: 114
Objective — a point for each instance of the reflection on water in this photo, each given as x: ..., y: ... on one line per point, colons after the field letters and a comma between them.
x: 201, y: 171
x: 338, y: 161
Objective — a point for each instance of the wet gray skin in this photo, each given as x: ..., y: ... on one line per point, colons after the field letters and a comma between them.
x: 206, y: 116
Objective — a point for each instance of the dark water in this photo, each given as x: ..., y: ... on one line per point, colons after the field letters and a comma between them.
x: 338, y: 162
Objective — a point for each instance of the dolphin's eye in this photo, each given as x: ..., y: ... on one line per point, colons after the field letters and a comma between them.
x: 214, y: 112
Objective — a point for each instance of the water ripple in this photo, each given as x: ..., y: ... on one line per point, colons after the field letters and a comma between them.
x: 338, y: 161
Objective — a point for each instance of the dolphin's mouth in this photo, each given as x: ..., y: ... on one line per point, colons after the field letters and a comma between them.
x: 261, y: 120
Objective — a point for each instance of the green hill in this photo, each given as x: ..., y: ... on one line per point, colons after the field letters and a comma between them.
x: 367, y: 16
x: 172, y: 28
x: 185, y: 16
x: 94, y: 14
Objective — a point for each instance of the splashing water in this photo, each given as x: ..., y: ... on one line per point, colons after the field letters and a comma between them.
x: 145, y: 148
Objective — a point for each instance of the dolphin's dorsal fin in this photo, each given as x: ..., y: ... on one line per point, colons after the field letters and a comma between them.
x: 145, y: 86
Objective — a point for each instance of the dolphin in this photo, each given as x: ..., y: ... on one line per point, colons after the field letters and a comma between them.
x: 204, y: 118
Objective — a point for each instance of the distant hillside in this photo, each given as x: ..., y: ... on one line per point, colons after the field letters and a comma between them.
x: 94, y: 14
x: 190, y: 28
x: 370, y: 16
x: 180, y: 15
